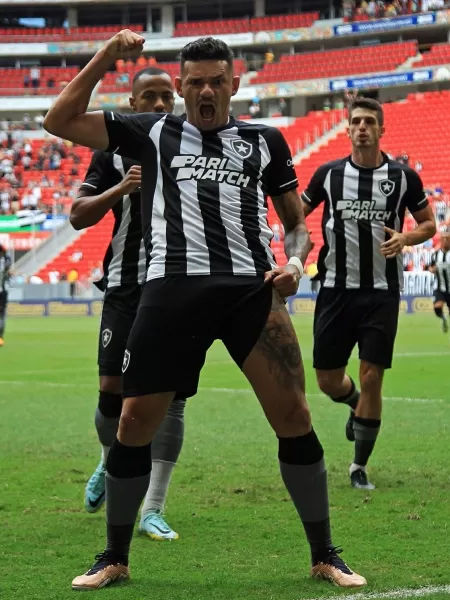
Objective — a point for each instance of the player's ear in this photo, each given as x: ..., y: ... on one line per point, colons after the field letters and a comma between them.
x: 382, y: 130
x: 132, y: 102
x: 348, y: 131
x: 178, y: 86
x: 235, y: 85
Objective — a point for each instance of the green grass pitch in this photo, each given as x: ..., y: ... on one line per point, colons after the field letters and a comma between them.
x: 240, y: 538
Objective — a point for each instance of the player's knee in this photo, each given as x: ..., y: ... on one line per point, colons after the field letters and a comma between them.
x: 111, y: 384
x: 330, y: 383
x: 371, y: 377
x: 294, y: 421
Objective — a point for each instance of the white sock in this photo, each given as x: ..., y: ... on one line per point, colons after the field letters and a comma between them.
x: 354, y: 467
x: 160, y: 477
x: 105, y: 452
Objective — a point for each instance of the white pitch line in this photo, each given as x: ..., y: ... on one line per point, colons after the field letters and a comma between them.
x: 403, y: 593
x: 57, y: 384
x: 390, y: 398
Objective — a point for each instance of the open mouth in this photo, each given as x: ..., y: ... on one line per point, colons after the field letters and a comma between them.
x: 207, y: 111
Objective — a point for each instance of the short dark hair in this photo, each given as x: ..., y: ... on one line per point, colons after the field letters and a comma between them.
x: 206, y: 48
x: 369, y: 104
x: 150, y: 71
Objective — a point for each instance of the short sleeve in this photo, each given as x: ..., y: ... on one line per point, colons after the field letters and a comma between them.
x: 128, y: 134
x: 98, y: 178
x: 315, y: 192
x: 416, y: 198
x: 279, y: 176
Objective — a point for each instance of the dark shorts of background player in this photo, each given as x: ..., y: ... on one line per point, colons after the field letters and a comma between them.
x: 178, y: 320
x: 344, y: 318
x: 3, y: 300
x: 441, y: 297
x: 120, y: 306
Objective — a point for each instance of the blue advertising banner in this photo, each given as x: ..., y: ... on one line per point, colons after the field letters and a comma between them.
x: 385, y: 24
x: 376, y: 81
x: 301, y: 304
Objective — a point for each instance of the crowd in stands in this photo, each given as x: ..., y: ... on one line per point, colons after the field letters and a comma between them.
x: 28, y: 176
x: 354, y: 10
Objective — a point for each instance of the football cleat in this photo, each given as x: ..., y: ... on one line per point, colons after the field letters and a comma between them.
x: 94, y: 494
x: 332, y: 568
x: 359, y: 480
x: 349, y: 430
x: 105, y: 571
x: 153, y: 526
x: 2, y: 342
x: 444, y: 326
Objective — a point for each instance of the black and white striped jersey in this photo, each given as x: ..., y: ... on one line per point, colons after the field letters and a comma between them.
x: 441, y: 260
x: 358, y: 203
x: 204, y: 208
x: 5, y: 265
x: 124, y: 261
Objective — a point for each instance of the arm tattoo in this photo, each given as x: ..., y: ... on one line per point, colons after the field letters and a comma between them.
x: 290, y: 210
x: 278, y: 344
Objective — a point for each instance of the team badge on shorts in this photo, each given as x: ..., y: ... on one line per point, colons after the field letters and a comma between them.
x: 106, y: 337
x: 242, y: 148
x: 126, y: 361
x: 386, y: 187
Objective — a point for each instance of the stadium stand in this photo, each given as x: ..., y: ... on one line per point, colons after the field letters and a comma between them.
x: 37, y: 81
x: 192, y: 28
x: 60, y: 34
x: 439, y: 54
x: 315, y: 65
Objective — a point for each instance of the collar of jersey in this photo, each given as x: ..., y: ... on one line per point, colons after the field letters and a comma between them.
x: 361, y: 168
x: 231, y: 123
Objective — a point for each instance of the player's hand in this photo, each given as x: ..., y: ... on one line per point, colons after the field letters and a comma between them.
x: 132, y: 180
x: 284, y: 279
x: 125, y: 44
x: 395, y: 245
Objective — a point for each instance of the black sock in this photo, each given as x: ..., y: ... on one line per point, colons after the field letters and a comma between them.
x: 107, y: 417
x: 305, y: 477
x: 351, y: 398
x: 439, y: 312
x: 127, y: 479
x: 366, y: 433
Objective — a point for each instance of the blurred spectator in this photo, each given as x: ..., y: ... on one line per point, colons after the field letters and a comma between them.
x: 269, y: 57
x: 35, y: 77
x: 53, y: 276
x: 39, y: 120
x: 72, y: 278
x: 418, y: 166
x: 76, y: 256
x: 327, y: 104
x: 282, y: 106
x: 359, y: 10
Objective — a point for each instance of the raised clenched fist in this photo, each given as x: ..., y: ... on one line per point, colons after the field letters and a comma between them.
x: 125, y: 44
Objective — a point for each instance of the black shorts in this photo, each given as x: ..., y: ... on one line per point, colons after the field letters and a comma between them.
x: 3, y: 300
x: 120, y: 306
x: 180, y: 317
x: 344, y: 318
x: 441, y: 297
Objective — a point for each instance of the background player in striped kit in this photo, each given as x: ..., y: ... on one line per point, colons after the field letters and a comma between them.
x: 5, y: 265
x: 113, y: 183
x: 211, y: 276
x: 360, y: 266
x: 440, y: 266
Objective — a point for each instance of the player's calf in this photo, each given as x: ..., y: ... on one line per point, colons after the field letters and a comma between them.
x: 439, y: 312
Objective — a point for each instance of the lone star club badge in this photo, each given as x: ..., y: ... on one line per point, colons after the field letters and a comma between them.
x: 126, y: 361
x: 386, y: 187
x: 242, y: 148
x: 106, y: 337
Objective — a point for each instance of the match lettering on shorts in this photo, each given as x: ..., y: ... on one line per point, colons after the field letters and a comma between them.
x: 278, y: 344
